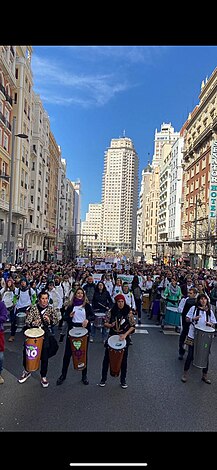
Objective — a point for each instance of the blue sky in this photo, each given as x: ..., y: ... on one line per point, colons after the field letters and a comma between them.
x: 95, y: 93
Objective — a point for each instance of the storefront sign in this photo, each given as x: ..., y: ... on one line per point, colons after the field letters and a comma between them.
x: 213, y: 190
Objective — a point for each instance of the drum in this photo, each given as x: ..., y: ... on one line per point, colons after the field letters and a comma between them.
x: 116, y: 352
x: 145, y: 302
x: 20, y: 319
x: 33, y: 345
x: 202, y: 343
x: 78, y: 341
x: 99, y: 319
x: 172, y: 316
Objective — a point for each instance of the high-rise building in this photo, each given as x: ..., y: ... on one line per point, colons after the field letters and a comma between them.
x: 120, y: 197
x: 166, y: 135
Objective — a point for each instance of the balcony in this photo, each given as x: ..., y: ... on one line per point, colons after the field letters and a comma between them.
x: 9, y: 99
x: 4, y: 176
x: 3, y: 118
x: 2, y: 91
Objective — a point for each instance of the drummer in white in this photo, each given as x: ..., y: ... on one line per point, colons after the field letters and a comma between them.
x: 79, y: 313
x: 200, y: 315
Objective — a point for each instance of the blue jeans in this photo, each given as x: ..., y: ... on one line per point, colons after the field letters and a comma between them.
x: 1, y: 361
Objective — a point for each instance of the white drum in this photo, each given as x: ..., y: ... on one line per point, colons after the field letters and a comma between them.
x: 99, y: 319
x: 78, y: 332
x: 20, y: 319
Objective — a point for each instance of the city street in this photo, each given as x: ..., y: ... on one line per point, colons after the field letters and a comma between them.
x: 155, y: 400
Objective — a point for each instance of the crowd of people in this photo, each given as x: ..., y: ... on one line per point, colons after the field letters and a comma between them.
x: 61, y: 297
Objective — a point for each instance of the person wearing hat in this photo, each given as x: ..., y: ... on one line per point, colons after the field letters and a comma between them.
x: 120, y: 321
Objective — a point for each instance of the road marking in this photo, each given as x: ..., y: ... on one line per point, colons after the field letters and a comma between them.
x: 141, y: 331
x: 170, y: 332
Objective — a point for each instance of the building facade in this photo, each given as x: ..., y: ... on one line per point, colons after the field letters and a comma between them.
x: 199, y: 172
x: 120, y: 197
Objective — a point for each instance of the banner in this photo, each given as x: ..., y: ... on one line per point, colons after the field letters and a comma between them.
x: 213, y: 190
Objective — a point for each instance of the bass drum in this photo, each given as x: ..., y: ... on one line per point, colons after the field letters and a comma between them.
x: 33, y: 345
x: 203, y: 337
x: 78, y: 340
x: 116, y: 352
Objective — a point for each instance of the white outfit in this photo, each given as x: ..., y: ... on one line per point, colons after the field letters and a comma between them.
x: 129, y: 298
x: 24, y: 299
x: 79, y: 314
x: 117, y: 290
x: 202, y: 320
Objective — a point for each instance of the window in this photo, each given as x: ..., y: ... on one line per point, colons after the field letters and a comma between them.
x: 1, y: 227
x: 13, y: 229
x: 5, y: 142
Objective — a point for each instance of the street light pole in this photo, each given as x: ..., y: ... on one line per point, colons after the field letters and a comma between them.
x: 11, y: 192
x: 21, y: 136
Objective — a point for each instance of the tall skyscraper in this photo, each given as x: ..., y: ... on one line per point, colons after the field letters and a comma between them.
x: 166, y: 135
x: 120, y: 196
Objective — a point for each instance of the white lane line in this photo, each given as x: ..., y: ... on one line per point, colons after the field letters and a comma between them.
x: 141, y: 331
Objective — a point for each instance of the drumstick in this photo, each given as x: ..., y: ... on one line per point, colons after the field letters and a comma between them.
x: 102, y: 305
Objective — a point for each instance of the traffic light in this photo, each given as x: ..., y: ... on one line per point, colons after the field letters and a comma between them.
x: 95, y: 236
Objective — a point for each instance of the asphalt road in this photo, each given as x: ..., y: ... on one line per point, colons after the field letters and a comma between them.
x: 155, y: 401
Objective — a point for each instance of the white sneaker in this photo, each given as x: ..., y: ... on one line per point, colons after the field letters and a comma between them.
x: 124, y: 384
x: 44, y: 382
x: 25, y: 375
x: 1, y: 379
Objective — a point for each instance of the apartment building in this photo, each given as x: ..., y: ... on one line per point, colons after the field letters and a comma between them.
x: 199, y: 179
x: 7, y: 87
x: 91, y: 229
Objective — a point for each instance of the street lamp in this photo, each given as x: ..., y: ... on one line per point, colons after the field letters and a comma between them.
x: 21, y: 136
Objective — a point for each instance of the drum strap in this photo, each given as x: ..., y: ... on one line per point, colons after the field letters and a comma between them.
x: 47, y: 327
x: 196, y: 313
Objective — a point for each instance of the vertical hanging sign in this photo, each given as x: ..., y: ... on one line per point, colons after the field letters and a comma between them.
x: 213, y: 190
